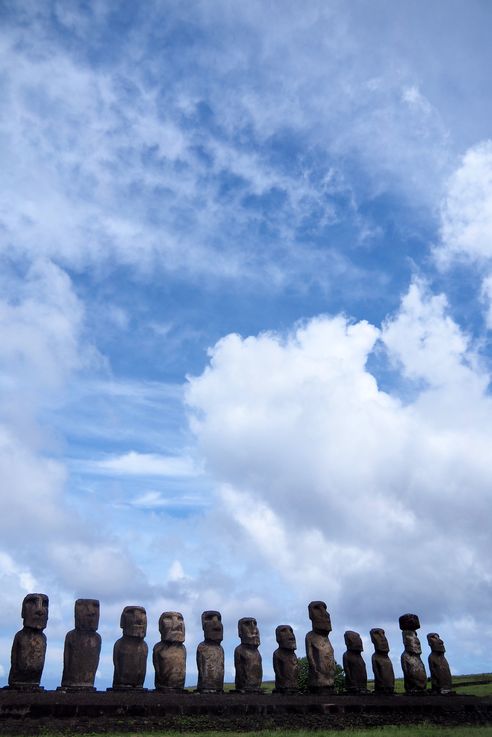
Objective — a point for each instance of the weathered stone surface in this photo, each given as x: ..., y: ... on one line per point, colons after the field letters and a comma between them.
x: 353, y: 663
x: 409, y: 622
x: 82, y: 647
x: 441, y: 681
x: 414, y: 675
x: 169, y: 655
x: 29, y: 646
x: 247, y: 659
x: 319, y: 651
x: 130, y: 651
x: 285, y: 663
x: 210, y: 654
x: 382, y: 667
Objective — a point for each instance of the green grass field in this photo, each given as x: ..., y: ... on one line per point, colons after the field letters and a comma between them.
x: 473, y: 689
x: 416, y: 731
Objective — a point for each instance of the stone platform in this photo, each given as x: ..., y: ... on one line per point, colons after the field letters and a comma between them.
x: 34, y: 713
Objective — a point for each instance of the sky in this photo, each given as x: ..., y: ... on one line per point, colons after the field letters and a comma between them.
x: 245, y: 318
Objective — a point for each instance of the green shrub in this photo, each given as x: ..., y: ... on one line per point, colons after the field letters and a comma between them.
x: 304, y: 672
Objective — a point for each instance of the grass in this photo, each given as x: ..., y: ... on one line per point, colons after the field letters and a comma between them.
x: 421, y: 730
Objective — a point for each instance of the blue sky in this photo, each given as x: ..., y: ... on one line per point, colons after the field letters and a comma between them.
x: 246, y: 302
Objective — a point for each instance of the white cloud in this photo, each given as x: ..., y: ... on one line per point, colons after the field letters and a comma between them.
x: 341, y: 486
x: 145, y: 464
x: 466, y: 230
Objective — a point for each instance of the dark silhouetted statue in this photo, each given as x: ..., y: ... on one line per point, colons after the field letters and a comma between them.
x: 319, y: 650
x: 414, y: 675
x: 210, y: 654
x: 441, y: 681
x: 82, y: 648
x: 285, y: 662
x: 382, y: 667
x: 29, y: 646
x: 130, y: 651
x: 353, y: 663
x: 169, y: 656
x: 247, y: 659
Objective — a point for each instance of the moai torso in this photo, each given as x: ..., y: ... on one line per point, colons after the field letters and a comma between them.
x: 414, y: 675
x: 285, y: 663
x: 130, y: 651
x: 441, y: 680
x: 319, y: 651
x: 247, y: 659
x: 353, y: 664
x: 29, y: 646
x: 82, y: 647
x: 384, y: 675
x: 210, y: 655
x: 169, y: 655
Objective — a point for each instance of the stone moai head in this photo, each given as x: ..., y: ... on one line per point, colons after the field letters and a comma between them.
x: 87, y: 615
x: 285, y: 637
x: 379, y: 640
x: 435, y: 643
x: 318, y: 614
x: 409, y: 622
x: 213, y: 629
x: 411, y: 642
x: 172, y: 627
x: 35, y: 611
x: 133, y: 622
x: 248, y: 631
x: 353, y: 641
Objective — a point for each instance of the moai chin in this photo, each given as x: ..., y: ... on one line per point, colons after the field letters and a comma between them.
x: 353, y: 664
x: 210, y: 654
x: 169, y: 655
x: 319, y: 651
x: 441, y: 681
x: 414, y: 675
x: 382, y: 667
x: 82, y: 648
x: 29, y: 646
x: 285, y: 663
x: 247, y: 659
x: 130, y: 651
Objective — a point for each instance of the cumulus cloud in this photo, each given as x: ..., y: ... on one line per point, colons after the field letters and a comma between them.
x: 466, y: 230
x: 343, y: 487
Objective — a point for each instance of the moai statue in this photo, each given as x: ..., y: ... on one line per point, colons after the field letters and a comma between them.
x: 353, y: 664
x: 382, y: 667
x: 29, y: 646
x: 82, y: 648
x: 210, y: 655
x: 319, y: 651
x: 439, y: 667
x: 414, y: 675
x: 130, y: 651
x: 247, y: 659
x: 169, y: 656
x: 285, y: 663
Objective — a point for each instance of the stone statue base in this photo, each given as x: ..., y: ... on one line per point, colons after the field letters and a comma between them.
x: 140, y: 689
x: 33, y: 687
x: 75, y: 689
x: 257, y: 691
x: 170, y: 689
x: 208, y: 690
x: 286, y: 691
x: 322, y: 690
